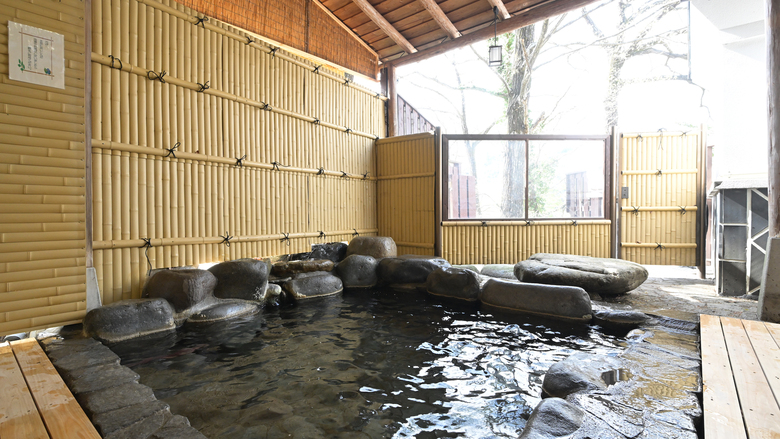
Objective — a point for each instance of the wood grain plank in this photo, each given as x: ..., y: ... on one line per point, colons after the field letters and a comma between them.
x: 767, y: 351
x: 722, y: 414
x: 19, y: 416
x: 62, y: 415
x: 759, y: 408
x: 773, y: 329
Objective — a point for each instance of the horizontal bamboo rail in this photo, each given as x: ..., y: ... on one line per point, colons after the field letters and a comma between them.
x: 407, y: 138
x: 659, y: 208
x: 658, y: 245
x: 660, y: 172
x: 154, y: 76
x: 181, y: 155
x: 161, y: 242
x: 195, y: 20
x: 529, y: 223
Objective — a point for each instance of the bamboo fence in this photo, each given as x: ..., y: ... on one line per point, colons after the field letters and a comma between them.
x: 42, y: 179
x: 406, y: 174
x: 658, y: 220
x: 203, y: 132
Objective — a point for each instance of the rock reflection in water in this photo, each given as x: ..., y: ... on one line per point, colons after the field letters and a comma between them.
x: 376, y: 364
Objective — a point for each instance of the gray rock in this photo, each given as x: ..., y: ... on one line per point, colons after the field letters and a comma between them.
x: 108, y: 400
x: 132, y: 422
x: 553, y: 418
x: 180, y: 432
x: 568, y: 303
x: 622, y: 320
x: 223, y: 310
x: 311, y: 285
x: 99, y: 378
x: 358, y: 271
x: 177, y: 421
x: 58, y: 349
x: 377, y: 247
x: 456, y: 283
x: 284, y: 269
x: 579, y: 373
x: 501, y: 271
x: 244, y: 279
x: 607, y: 277
x: 409, y: 269
x: 184, y: 289
x: 273, y: 295
x: 334, y: 251
x: 128, y: 319
x: 74, y: 371
x: 626, y: 420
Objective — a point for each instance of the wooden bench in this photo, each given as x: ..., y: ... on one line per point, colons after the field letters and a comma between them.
x: 741, y: 374
x: 34, y: 401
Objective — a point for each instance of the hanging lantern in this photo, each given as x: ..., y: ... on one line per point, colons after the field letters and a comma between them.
x: 495, y: 57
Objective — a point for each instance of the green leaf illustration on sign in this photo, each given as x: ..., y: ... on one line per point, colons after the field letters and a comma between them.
x: 47, y: 71
x: 21, y: 65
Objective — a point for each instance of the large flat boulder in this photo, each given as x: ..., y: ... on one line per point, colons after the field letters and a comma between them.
x: 377, y: 247
x: 244, y: 279
x: 310, y: 285
x: 128, y: 319
x: 224, y: 310
x: 409, y: 269
x: 334, y: 251
x: 567, y: 303
x: 454, y: 283
x: 553, y: 418
x: 604, y: 276
x: 358, y: 271
x: 581, y: 373
x: 183, y: 289
x: 289, y: 268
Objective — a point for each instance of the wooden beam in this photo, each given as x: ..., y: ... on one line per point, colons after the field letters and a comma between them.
x: 441, y: 18
x: 532, y: 14
x: 385, y: 25
x: 345, y: 27
x: 773, y: 63
x: 502, y: 12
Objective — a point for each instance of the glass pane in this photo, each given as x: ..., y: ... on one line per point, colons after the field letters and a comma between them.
x: 566, y: 179
x: 486, y: 179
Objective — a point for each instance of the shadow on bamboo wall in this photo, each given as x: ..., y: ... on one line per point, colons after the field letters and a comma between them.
x: 205, y: 136
x: 42, y: 179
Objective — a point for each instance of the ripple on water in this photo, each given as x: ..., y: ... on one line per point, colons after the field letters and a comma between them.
x: 378, y: 364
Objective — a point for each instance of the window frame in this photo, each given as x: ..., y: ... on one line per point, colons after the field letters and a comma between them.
x: 527, y: 138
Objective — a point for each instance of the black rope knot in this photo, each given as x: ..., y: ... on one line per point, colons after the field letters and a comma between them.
x: 639, y: 137
x: 226, y: 239
x: 322, y: 234
x: 285, y: 237
x: 273, y: 52
x: 376, y: 137
x: 113, y: 58
x: 574, y: 222
x: 529, y: 223
x: 317, y: 69
x: 348, y: 130
x: 320, y: 171
x: 365, y: 176
x: 660, y: 172
x: 347, y: 81
x: 682, y: 210
x: 484, y: 224
x: 203, y: 87
x: 249, y: 40
x: 201, y: 20
x: 172, y: 151
x: 147, y: 245
x: 659, y: 246
x: 344, y: 174
x: 240, y: 161
x: 378, y: 95
x: 275, y: 166
x: 356, y: 233
x: 684, y: 133
x: 636, y: 210
x: 316, y: 121
x: 154, y: 76
x: 267, y: 107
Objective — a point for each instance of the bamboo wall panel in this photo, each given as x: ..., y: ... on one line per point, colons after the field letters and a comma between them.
x: 42, y: 179
x: 511, y: 242
x: 406, y: 173
x: 658, y: 220
x: 165, y: 153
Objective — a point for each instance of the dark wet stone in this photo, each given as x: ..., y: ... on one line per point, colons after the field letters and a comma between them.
x: 284, y: 269
x: 377, y: 247
x: 107, y: 400
x: 626, y: 420
x: 182, y: 432
x: 99, y: 378
x: 594, y: 428
x: 241, y: 279
x: 358, y: 271
x: 607, y: 277
x: 501, y: 271
x: 553, y: 418
x: 310, y: 285
x: 74, y: 366
x: 177, y: 421
x: 183, y: 289
x: 409, y: 269
x: 334, y: 251
x: 455, y: 283
x: 570, y: 303
x: 622, y: 320
x: 579, y: 373
x: 223, y: 310
x: 132, y: 422
x: 128, y: 319
x: 58, y: 349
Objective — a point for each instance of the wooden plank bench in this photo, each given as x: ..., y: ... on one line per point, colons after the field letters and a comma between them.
x: 35, y: 403
x: 741, y: 374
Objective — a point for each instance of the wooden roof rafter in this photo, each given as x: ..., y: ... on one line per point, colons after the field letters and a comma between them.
x: 441, y: 18
x: 385, y: 25
x: 501, y: 8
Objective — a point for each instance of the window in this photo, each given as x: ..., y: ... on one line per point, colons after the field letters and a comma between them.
x: 524, y: 177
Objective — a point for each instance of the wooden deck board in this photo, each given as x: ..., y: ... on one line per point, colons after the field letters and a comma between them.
x: 740, y: 362
x: 61, y: 414
x: 19, y: 416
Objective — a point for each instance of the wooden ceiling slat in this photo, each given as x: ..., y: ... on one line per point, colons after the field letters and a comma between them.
x: 459, y: 11
x: 385, y: 25
x: 440, y: 18
x: 393, y: 16
x: 502, y: 12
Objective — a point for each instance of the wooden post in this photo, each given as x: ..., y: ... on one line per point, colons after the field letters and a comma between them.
x: 388, y: 78
x: 773, y: 59
x: 88, y: 131
x: 438, y: 184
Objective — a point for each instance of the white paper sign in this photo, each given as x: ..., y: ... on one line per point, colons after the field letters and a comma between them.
x: 35, y: 55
